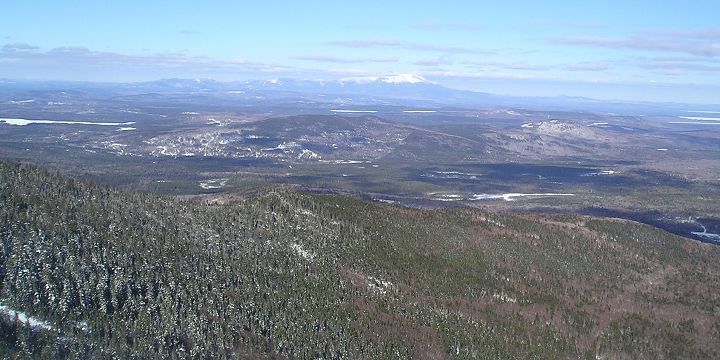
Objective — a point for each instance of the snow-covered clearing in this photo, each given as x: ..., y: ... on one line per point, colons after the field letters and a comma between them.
x: 22, y: 122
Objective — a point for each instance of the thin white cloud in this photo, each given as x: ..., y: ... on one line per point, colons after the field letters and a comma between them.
x: 333, y: 59
x: 435, y: 26
x: 581, y: 24
x: 587, y: 67
x: 441, y: 60
x: 15, y: 47
x: 62, y: 62
x: 672, y: 65
x: 682, y: 67
x: 397, y: 44
x: 704, y: 43
x: 189, y: 32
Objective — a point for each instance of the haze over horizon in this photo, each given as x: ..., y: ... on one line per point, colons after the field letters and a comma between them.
x: 614, y: 50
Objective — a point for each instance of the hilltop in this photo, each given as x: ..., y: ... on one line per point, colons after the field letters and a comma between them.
x: 106, y: 273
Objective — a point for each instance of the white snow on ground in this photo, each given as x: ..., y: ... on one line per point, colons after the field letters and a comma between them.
x: 700, y: 118
x: 24, y: 318
x: 598, y: 124
x: 490, y: 221
x: 190, y: 113
x: 308, y: 154
x: 23, y: 122
x: 707, y: 235
x: 127, y: 129
x: 83, y: 326
x: 378, y: 285
x: 448, y: 197
x: 353, y: 111
x: 213, y: 183
x: 21, y: 101
x: 603, y: 172
x: 344, y: 161
x: 528, y: 125
x: 285, y: 146
x: 307, y: 255
x: 305, y: 212
x: 512, y: 196
x: 662, y: 149
x: 505, y: 298
x: 695, y: 122
x: 386, y: 201
x: 164, y: 150
x: 452, y: 175
x: 115, y: 146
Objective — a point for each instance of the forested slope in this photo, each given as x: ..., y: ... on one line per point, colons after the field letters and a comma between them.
x: 111, y: 274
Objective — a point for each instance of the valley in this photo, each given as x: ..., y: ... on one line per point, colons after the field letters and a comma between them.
x: 203, y: 140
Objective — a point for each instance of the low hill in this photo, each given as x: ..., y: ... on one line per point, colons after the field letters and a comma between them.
x: 92, y: 272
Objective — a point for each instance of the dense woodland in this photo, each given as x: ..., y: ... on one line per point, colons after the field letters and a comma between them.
x: 114, y: 274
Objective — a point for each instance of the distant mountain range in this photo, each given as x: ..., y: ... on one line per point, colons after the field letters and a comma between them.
x: 405, y: 89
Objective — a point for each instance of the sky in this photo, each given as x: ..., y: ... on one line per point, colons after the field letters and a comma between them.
x: 623, y: 50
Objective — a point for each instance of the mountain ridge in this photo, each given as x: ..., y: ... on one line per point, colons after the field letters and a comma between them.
x: 397, y: 87
x: 114, y: 274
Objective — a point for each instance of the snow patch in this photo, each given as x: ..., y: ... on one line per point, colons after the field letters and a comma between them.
x: 695, y: 122
x: 212, y: 121
x: 704, y: 234
x: 451, y: 175
x: 308, y: 154
x: 512, y: 196
x: 24, y: 318
x: 285, y: 147
x: 352, y: 111
x: 213, y: 183
x: 344, y: 161
x: 23, y: 122
x: 448, y: 197
x: 307, y: 255
x: 700, y: 118
x: 386, y: 201
x: 404, y: 79
x: 378, y: 285
x: 505, y: 298
x: 599, y: 173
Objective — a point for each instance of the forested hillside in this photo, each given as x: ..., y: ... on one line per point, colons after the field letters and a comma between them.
x: 101, y: 273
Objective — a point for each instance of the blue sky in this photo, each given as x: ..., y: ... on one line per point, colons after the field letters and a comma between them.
x: 629, y: 50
